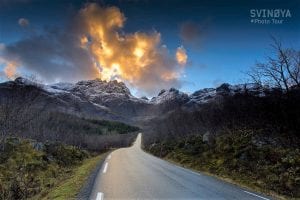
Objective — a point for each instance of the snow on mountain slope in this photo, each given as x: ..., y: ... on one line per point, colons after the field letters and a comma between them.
x: 99, y: 96
x: 104, y: 92
x: 94, y: 90
x: 62, y: 86
x: 170, y: 95
x: 207, y: 94
x: 98, y: 91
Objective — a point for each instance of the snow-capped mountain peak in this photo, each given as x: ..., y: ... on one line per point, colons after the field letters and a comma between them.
x: 170, y: 95
x: 113, y: 98
x: 99, y: 86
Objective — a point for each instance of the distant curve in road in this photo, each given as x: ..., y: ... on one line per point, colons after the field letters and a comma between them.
x: 131, y: 173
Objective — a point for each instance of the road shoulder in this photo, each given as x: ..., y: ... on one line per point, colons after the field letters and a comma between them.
x: 87, y: 187
x: 225, y: 179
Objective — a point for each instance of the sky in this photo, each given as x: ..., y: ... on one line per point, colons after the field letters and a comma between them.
x: 148, y: 44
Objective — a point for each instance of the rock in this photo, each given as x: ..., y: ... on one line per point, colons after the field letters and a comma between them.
x: 144, y: 98
x: 161, y: 92
x: 174, y: 90
x: 261, y: 141
x: 38, y: 146
x: 208, y: 138
x: 223, y: 89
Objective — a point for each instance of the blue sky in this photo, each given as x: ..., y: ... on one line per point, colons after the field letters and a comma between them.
x: 228, y: 44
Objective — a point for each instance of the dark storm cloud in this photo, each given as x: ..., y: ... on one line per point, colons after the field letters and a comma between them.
x: 52, y: 53
x: 192, y: 33
x: 93, y: 44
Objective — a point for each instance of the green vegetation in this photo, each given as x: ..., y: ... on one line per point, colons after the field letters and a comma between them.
x: 112, y: 126
x: 89, y: 134
x: 37, y: 170
x: 29, y: 168
x: 69, y: 188
x: 235, y: 156
x: 77, y: 125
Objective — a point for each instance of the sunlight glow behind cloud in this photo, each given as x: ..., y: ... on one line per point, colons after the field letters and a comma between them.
x: 137, y: 58
x: 94, y: 45
x: 181, y: 56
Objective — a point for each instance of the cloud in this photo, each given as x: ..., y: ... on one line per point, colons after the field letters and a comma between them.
x: 10, y: 66
x: 23, y: 22
x: 192, y: 33
x: 10, y: 70
x: 136, y: 58
x: 94, y: 45
x: 181, y: 55
x: 53, y: 56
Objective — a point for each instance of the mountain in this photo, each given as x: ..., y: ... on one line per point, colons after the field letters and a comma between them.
x: 112, y: 96
x: 112, y: 100
x: 54, y: 98
x: 229, y: 130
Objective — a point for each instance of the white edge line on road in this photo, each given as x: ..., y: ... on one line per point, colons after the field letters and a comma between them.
x: 105, y: 168
x: 256, y: 195
x: 109, y: 157
x: 99, y: 196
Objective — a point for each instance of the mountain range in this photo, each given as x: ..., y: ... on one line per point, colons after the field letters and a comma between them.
x: 112, y: 100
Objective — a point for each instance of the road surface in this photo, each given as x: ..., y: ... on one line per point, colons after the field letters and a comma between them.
x: 130, y: 173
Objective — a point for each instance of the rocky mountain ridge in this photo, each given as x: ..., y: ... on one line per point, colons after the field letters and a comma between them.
x: 113, y: 100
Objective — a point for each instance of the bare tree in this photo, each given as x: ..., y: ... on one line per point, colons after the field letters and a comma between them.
x: 281, y: 69
x: 20, y: 104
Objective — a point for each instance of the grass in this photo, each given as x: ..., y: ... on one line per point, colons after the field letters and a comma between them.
x: 30, y: 172
x: 69, y: 188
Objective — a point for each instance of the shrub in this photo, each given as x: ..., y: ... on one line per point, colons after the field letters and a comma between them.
x: 26, y: 171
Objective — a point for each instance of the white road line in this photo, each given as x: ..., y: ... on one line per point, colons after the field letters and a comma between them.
x: 105, y: 168
x: 256, y: 195
x: 109, y: 157
x: 100, y: 196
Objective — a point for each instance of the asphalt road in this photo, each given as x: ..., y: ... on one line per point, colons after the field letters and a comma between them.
x: 130, y: 173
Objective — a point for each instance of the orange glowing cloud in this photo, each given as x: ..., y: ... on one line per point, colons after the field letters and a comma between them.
x: 181, y: 56
x: 94, y: 45
x: 137, y: 58
x: 10, y: 66
x: 10, y: 70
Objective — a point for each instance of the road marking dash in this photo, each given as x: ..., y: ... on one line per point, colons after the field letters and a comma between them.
x: 100, y: 196
x: 105, y: 168
x: 256, y: 195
